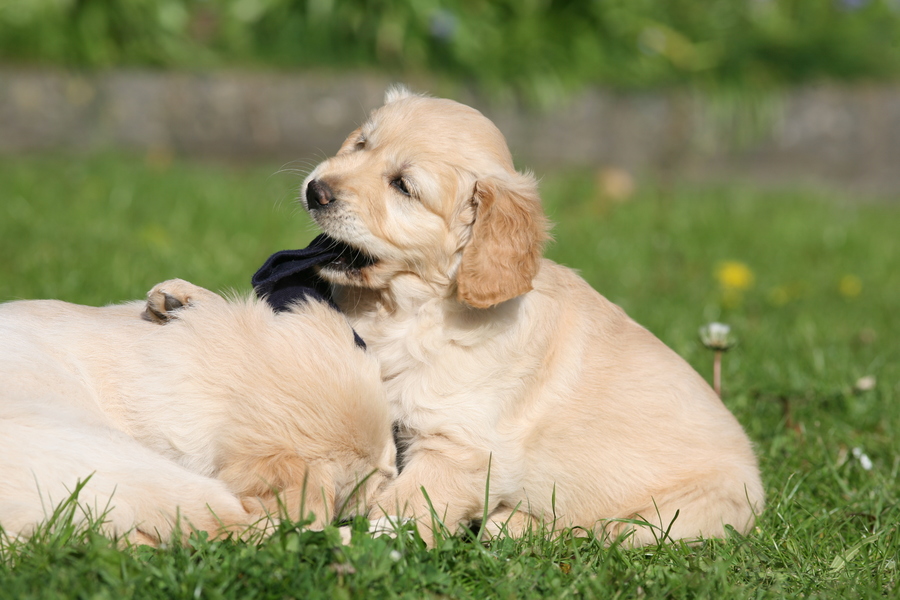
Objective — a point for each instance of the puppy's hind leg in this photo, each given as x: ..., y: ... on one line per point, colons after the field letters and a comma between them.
x: 511, y: 522
x: 133, y: 491
x: 697, y: 510
x: 167, y: 298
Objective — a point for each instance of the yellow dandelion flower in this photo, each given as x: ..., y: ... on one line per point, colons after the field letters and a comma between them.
x: 734, y: 275
x: 850, y: 286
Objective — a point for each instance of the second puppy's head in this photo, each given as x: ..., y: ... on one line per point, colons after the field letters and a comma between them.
x: 426, y: 189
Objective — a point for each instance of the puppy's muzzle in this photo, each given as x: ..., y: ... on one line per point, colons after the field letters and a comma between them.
x: 318, y: 195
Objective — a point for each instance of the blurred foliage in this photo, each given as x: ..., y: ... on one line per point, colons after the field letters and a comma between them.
x: 539, y: 47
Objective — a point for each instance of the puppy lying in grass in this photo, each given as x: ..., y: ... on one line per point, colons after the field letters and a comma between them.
x: 227, y: 414
x: 504, y: 371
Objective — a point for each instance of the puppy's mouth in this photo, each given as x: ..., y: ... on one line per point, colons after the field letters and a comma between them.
x: 346, y: 259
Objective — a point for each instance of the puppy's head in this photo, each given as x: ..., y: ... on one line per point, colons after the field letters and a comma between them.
x: 426, y: 188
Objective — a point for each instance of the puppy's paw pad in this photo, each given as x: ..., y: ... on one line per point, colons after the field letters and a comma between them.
x: 168, y: 297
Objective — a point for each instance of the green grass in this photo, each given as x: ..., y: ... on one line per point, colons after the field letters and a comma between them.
x: 820, y: 314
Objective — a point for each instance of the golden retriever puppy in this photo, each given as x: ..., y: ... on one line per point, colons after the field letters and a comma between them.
x: 226, y: 414
x: 503, y: 370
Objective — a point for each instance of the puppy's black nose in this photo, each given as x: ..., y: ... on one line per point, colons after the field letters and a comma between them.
x: 318, y: 194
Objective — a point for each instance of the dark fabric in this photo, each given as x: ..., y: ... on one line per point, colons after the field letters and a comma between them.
x: 290, y: 276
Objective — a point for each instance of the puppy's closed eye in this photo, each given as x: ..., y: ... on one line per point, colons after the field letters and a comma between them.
x: 400, y: 184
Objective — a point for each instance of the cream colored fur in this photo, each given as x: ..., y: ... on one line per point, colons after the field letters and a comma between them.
x: 214, y: 418
x: 495, y: 357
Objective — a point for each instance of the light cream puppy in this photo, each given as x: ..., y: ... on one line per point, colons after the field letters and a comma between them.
x: 215, y: 418
x: 497, y: 360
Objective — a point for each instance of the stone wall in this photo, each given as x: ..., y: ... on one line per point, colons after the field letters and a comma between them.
x: 849, y: 136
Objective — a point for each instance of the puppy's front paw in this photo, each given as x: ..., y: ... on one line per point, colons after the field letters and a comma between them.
x: 388, y: 526
x: 346, y: 533
x: 167, y: 298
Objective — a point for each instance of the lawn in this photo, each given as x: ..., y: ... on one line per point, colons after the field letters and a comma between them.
x: 808, y: 279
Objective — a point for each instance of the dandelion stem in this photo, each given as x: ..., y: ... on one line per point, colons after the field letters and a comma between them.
x: 717, y: 373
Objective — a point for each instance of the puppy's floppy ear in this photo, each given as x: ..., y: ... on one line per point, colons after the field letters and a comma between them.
x: 503, y: 255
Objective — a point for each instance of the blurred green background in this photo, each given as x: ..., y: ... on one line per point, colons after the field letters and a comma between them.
x: 539, y: 48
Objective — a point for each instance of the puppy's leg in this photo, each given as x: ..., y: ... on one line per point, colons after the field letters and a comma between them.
x: 691, y: 511
x: 435, y: 489
x: 512, y: 522
x: 138, y: 493
x: 167, y: 298
x: 198, y: 505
